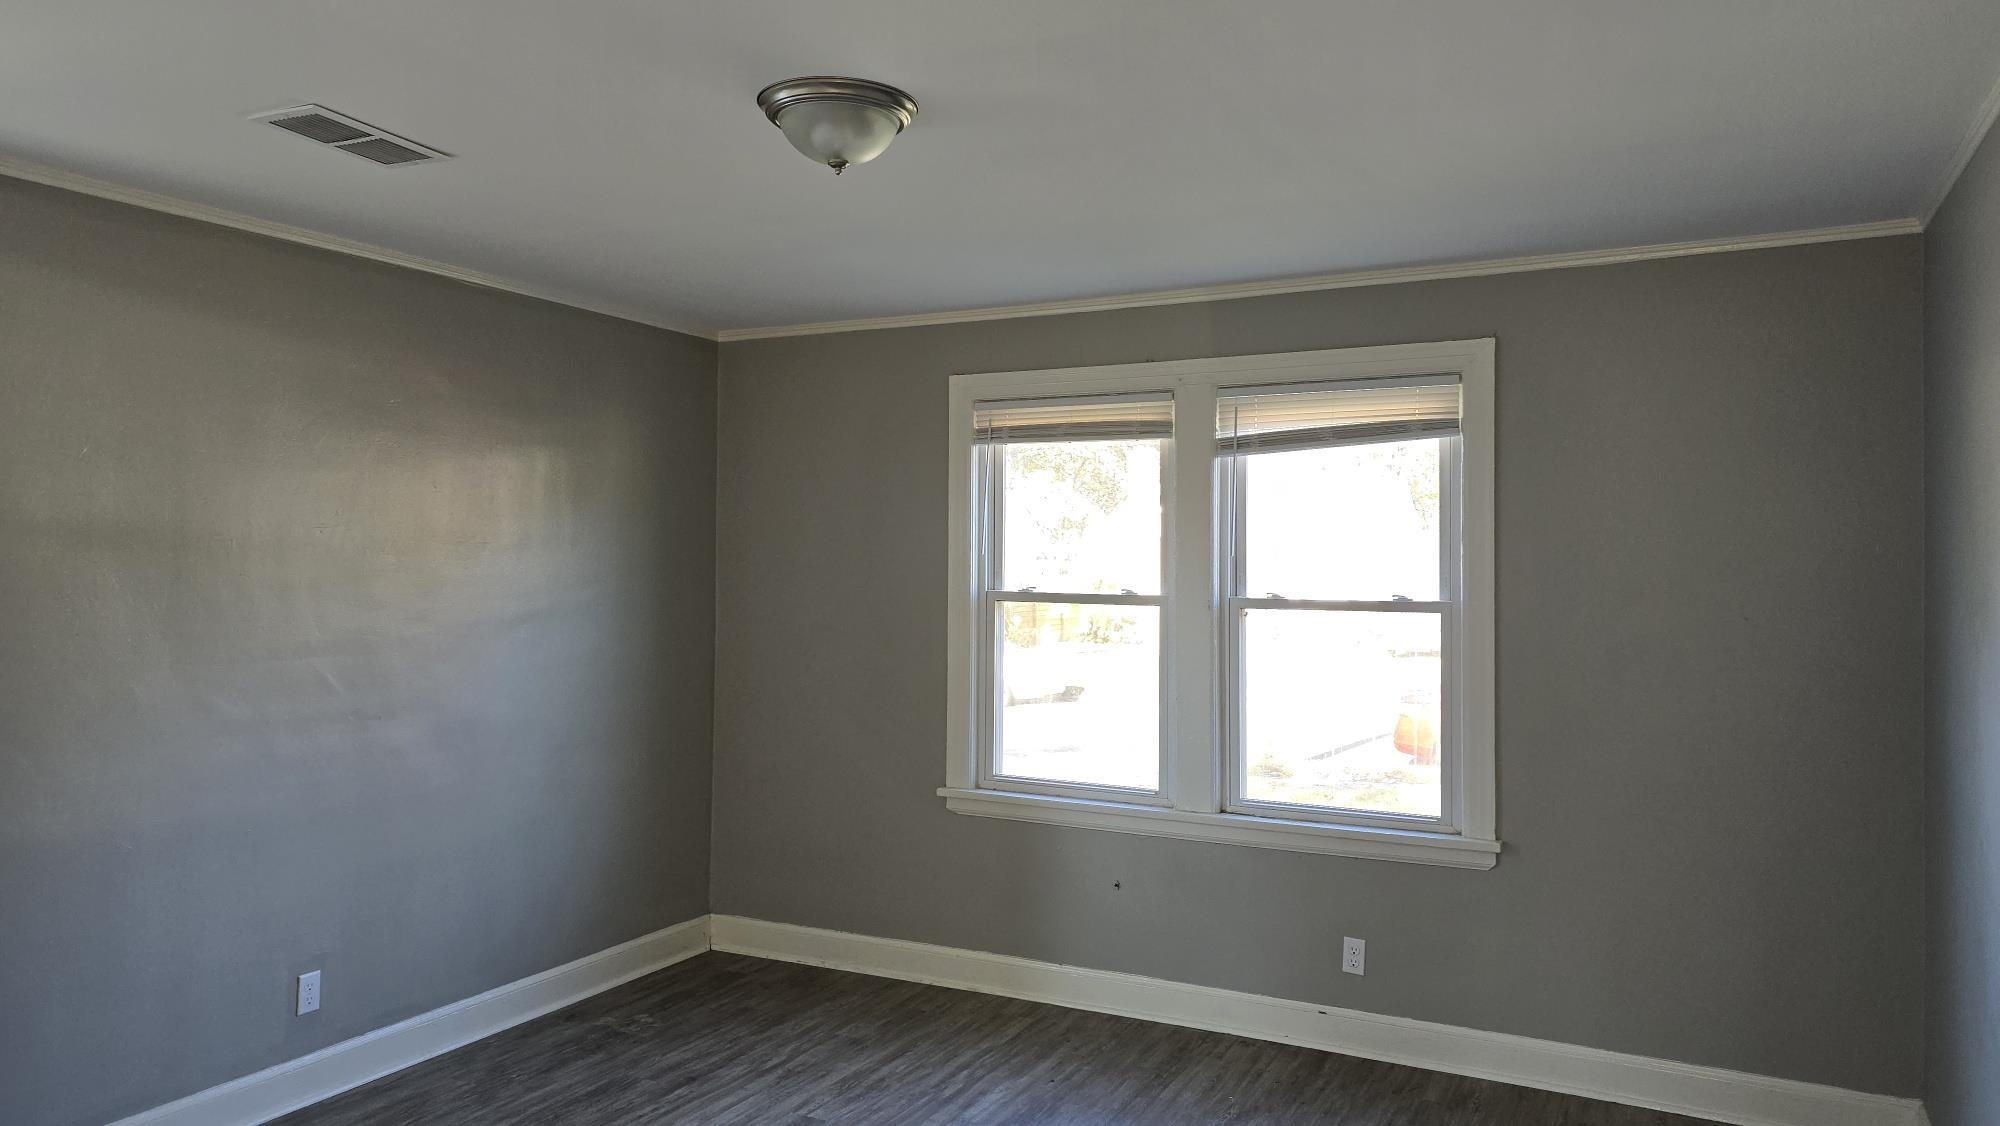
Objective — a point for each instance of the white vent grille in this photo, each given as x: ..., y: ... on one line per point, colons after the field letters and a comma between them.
x: 339, y: 131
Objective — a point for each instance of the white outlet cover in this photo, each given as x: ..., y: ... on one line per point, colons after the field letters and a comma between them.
x: 308, y: 993
x: 1354, y: 955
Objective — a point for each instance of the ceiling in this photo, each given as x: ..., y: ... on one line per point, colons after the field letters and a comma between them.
x: 611, y: 151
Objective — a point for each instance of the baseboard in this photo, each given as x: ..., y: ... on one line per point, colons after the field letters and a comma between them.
x: 350, y: 1063
x: 1702, y: 1092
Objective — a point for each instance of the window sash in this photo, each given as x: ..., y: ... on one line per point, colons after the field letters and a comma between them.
x: 1237, y: 792
x: 1232, y: 530
x: 990, y: 475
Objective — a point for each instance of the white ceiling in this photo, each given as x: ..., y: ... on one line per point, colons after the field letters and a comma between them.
x: 611, y: 150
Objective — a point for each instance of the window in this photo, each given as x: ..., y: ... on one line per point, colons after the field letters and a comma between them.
x: 1339, y: 502
x: 1071, y: 562
x: 1244, y: 600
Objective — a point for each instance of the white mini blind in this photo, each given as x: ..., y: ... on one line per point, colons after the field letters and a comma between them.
x: 1315, y: 416
x: 1095, y: 418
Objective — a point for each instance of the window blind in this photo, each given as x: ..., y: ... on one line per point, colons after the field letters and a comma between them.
x: 1095, y: 418
x: 1314, y: 416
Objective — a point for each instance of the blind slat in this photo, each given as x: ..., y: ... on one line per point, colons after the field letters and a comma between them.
x: 1275, y: 419
x: 1093, y: 418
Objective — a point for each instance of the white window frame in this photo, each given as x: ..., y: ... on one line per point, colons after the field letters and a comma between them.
x: 1197, y: 799
x: 988, y: 563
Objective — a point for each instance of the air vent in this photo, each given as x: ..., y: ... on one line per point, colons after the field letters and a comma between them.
x: 383, y: 151
x: 337, y: 130
x: 319, y: 127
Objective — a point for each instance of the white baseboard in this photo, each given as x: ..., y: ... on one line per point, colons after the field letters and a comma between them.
x: 350, y: 1063
x: 1702, y: 1092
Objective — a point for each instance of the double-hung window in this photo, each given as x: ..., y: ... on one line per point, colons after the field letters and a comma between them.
x: 1246, y: 600
x: 1071, y: 563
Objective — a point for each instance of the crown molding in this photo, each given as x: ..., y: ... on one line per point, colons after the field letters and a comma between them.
x: 153, y: 201
x: 55, y: 177
x: 1350, y: 279
x: 1968, y: 147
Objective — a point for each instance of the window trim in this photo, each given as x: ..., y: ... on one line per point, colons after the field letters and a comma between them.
x: 1195, y: 586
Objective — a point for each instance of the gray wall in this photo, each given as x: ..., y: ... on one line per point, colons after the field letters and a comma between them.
x: 1710, y: 665
x: 349, y: 618
x: 1962, y: 420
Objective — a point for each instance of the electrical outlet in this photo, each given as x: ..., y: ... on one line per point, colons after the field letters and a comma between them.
x: 1353, y: 955
x: 308, y: 993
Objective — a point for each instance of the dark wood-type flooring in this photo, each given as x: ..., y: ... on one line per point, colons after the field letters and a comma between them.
x: 721, y: 1039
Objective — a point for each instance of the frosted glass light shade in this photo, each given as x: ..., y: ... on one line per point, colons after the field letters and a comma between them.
x: 839, y: 133
x: 838, y: 121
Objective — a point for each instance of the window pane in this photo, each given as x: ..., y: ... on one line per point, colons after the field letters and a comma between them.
x: 1079, y: 696
x: 1341, y: 710
x: 1081, y: 517
x: 1357, y: 522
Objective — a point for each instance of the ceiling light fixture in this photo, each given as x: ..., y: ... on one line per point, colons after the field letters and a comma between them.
x: 837, y: 121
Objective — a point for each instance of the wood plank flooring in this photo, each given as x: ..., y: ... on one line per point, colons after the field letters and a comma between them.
x: 722, y: 1039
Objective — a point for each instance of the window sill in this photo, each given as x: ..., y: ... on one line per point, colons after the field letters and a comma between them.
x: 1408, y: 846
